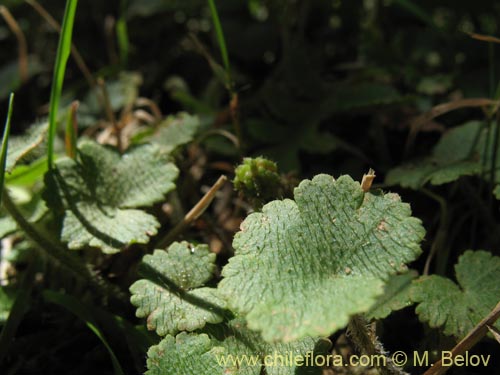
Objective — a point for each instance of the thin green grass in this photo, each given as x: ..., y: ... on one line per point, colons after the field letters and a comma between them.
x: 63, y: 52
x: 122, y: 34
x: 220, y: 38
x: 5, y: 142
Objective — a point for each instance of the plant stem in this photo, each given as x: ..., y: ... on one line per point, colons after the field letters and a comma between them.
x: 440, y: 238
x: 21, y: 41
x: 220, y: 37
x: 110, y: 114
x: 74, y: 51
x: 367, y: 341
x: 60, y: 255
x: 5, y: 143
x: 192, y: 215
x: 476, y: 334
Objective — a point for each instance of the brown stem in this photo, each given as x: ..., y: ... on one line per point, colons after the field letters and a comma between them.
x: 109, y: 31
x: 366, y: 182
x: 145, y: 102
x: 192, y: 215
x: 441, y: 109
x: 110, y: 114
x: 476, y: 334
x: 21, y: 41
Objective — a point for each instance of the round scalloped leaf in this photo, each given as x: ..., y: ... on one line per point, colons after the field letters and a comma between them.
x: 100, y: 191
x: 186, y: 354
x: 302, y: 267
x: 115, y: 229
x: 460, y: 307
x: 173, y: 307
x: 186, y: 265
x: 232, y: 349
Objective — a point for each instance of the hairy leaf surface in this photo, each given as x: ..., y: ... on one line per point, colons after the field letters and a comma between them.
x: 302, y: 267
x: 216, y: 351
x: 174, y: 300
x: 101, y: 191
x: 458, y: 308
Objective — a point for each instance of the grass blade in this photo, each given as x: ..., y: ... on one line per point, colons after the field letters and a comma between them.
x: 220, y: 38
x: 122, y: 34
x: 63, y: 51
x: 5, y: 142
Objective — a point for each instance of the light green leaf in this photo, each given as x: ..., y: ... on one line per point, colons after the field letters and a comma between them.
x: 27, y: 175
x: 458, y: 153
x: 100, y: 191
x: 171, y: 307
x: 396, y: 296
x: 232, y: 349
x: 302, y: 267
x: 460, y: 307
x: 176, y: 131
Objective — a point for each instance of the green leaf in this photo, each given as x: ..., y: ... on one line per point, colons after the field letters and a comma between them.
x: 169, y: 308
x: 458, y: 153
x: 100, y: 191
x: 458, y: 308
x: 302, y: 267
x: 396, y: 296
x: 176, y: 131
x: 27, y: 175
x: 218, y: 351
